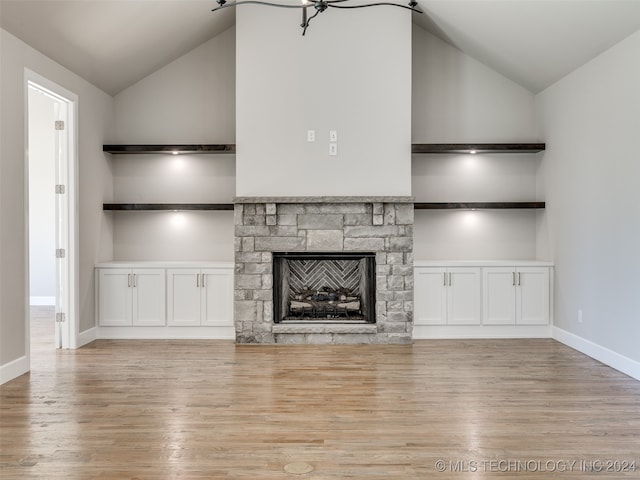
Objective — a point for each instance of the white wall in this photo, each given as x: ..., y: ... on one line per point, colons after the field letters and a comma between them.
x: 174, y: 179
x: 173, y: 236
x: 42, y: 228
x: 458, y: 100
x: 191, y: 100
x: 589, y: 178
x: 352, y: 73
x: 94, y: 188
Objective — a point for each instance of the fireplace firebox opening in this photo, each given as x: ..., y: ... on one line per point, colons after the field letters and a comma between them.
x: 319, y: 287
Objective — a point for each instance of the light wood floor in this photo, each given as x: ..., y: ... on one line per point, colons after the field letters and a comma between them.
x: 214, y: 410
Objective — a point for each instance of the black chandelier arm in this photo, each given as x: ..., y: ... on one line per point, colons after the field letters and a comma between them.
x: 258, y: 2
x: 305, y: 25
x: 318, y: 5
x: 389, y: 4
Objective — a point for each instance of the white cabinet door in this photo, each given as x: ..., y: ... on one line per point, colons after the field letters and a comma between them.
x: 217, y: 297
x: 499, y: 292
x: 115, y: 297
x: 183, y: 298
x: 463, y: 296
x: 532, y: 299
x: 430, y: 296
x: 516, y: 296
x: 447, y: 296
x: 148, y: 288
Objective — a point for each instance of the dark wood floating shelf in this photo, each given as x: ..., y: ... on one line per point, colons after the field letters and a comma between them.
x: 169, y: 149
x: 475, y: 205
x: 477, y: 147
x: 139, y: 207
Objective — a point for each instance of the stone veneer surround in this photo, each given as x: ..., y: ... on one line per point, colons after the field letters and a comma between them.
x: 383, y: 225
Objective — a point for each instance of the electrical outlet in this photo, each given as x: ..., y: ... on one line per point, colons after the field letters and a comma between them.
x: 333, y: 135
x: 333, y: 149
x: 580, y: 316
x: 311, y: 135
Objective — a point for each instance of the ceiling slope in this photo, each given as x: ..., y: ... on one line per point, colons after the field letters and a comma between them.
x: 113, y: 44
x: 533, y: 42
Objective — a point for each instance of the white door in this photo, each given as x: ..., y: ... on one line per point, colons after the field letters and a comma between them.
x: 217, y: 297
x: 463, y: 296
x: 499, y: 292
x: 115, y: 297
x: 148, y: 286
x: 532, y: 300
x: 430, y: 296
x: 62, y: 222
x: 183, y: 296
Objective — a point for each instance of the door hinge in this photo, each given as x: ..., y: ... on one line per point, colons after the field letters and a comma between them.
x: 61, y: 317
x: 60, y: 189
x: 60, y: 253
x: 59, y: 124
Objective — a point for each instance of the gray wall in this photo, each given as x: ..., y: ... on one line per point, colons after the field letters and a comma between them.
x: 352, y: 73
x: 590, y: 180
x: 191, y: 100
x: 95, y: 185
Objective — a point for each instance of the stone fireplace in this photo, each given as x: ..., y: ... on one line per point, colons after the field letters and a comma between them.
x: 324, y: 269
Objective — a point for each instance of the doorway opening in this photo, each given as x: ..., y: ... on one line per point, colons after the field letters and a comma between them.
x: 50, y: 168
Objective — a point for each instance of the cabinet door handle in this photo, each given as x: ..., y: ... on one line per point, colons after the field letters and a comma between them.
x: 202, y: 281
x: 197, y: 280
x: 444, y: 279
x: 519, y: 279
x: 449, y: 278
x: 135, y: 280
x: 513, y: 278
x: 129, y: 280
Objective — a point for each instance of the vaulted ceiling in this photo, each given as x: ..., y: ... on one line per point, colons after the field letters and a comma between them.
x: 115, y: 43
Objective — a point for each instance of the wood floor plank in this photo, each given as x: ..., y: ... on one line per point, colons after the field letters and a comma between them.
x: 215, y: 410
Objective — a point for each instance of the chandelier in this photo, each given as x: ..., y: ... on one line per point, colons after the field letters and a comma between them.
x: 319, y: 6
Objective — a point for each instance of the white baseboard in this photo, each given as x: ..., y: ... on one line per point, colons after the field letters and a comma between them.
x: 87, y: 336
x: 429, y: 332
x: 608, y: 357
x: 42, y: 301
x: 166, y: 333
x: 14, y: 369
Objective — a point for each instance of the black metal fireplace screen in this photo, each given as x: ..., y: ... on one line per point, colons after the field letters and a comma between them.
x: 320, y: 287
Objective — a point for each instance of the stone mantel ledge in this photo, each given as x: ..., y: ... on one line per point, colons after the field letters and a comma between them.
x: 377, y: 199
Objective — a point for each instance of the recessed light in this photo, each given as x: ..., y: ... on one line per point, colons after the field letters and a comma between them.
x: 473, y: 152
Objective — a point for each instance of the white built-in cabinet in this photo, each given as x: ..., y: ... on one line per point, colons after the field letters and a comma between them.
x: 199, y: 296
x: 157, y: 299
x: 516, y: 296
x: 131, y: 297
x: 460, y: 299
x: 447, y: 296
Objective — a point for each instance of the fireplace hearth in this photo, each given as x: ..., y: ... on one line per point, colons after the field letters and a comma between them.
x: 324, y: 287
